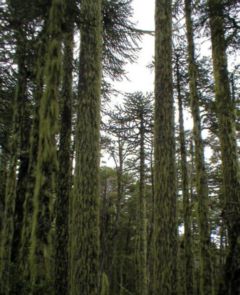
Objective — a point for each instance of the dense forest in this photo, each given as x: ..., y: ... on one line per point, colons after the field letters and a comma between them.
x: 161, y: 214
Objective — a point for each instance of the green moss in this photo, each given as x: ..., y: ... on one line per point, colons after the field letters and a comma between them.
x: 227, y: 135
x: 206, y: 278
x: 65, y: 169
x: 165, y: 229
x: 41, y: 252
x: 104, y: 285
x: 85, y: 196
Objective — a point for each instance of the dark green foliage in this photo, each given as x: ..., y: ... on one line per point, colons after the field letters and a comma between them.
x: 120, y: 38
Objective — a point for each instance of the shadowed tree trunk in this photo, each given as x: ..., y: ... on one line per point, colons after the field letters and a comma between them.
x: 206, y: 283
x: 65, y: 162
x: 41, y: 252
x: 227, y: 134
x: 85, y: 203
x: 16, y: 140
x: 188, y: 254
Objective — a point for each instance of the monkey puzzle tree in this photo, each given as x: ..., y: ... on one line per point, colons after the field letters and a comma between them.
x: 164, y: 165
x: 85, y: 196
x: 227, y: 134
x: 206, y: 283
x: 41, y: 256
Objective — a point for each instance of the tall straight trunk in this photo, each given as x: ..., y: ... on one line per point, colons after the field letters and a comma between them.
x: 206, y: 284
x: 188, y: 253
x: 115, y: 270
x: 22, y: 179
x: 65, y: 167
x: 3, y: 180
x: 227, y: 134
x: 11, y: 184
x: 142, y: 286
x: 85, y: 204
x: 164, y: 145
x: 41, y: 258
x: 22, y: 261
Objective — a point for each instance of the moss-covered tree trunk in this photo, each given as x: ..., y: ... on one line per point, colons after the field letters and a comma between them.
x: 188, y: 253
x: 65, y: 162
x: 164, y: 145
x: 11, y: 184
x: 22, y: 261
x: 41, y: 258
x: 206, y: 284
x: 227, y: 134
x: 142, y: 284
x: 85, y: 203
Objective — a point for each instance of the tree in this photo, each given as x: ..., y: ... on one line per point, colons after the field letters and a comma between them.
x: 206, y: 283
x: 227, y: 134
x: 137, y: 110
x: 17, y: 142
x: 85, y: 202
x: 164, y: 146
x: 188, y: 255
x: 41, y: 256
x: 65, y: 162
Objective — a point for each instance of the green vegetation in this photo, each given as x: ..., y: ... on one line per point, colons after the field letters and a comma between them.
x: 105, y: 192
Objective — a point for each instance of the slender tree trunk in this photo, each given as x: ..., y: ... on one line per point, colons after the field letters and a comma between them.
x: 65, y: 163
x: 227, y: 135
x: 165, y: 182
x: 3, y: 180
x: 206, y: 278
x: 188, y: 254
x: 10, y: 193
x: 41, y: 256
x: 142, y: 286
x: 23, y: 262
x: 115, y: 270
x: 85, y: 205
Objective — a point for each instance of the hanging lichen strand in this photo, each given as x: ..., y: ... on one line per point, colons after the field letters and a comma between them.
x: 40, y: 258
x: 227, y: 134
x: 64, y: 156
x: 85, y: 203
x: 164, y: 146
x: 206, y: 283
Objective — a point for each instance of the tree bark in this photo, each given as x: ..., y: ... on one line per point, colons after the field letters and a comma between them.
x: 164, y: 144
x: 227, y: 134
x: 85, y: 204
x: 206, y: 279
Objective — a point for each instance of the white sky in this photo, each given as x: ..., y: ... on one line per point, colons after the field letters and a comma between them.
x: 140, y: 77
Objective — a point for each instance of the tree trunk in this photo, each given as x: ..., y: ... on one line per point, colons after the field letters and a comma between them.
x: 227, y: 135
x: 164, y: 144
x: 188, y: 254
x: 65, y: 163
x: 142, y: 286
x: 41, y: 256
x: 10, y: 193
x: 85, y: 204
x: 206, y: 284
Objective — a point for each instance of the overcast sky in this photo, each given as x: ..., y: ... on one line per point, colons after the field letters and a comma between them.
x: 141, y: 78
